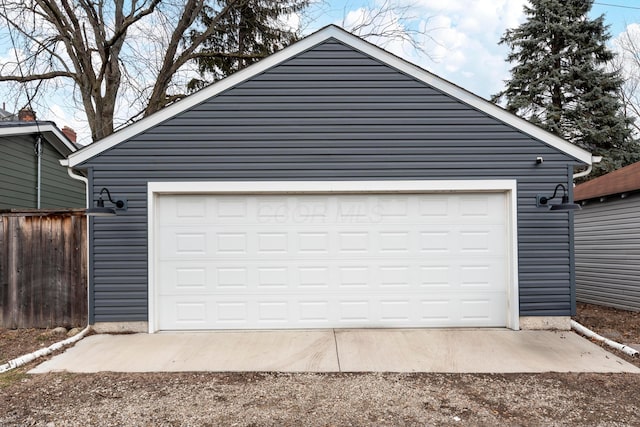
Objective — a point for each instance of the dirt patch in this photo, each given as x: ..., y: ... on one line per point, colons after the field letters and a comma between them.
x: 618, y: 325
x: 18, y: 342
x: 250, y: 399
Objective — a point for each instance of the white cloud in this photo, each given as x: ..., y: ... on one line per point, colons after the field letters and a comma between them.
x: 627, y: 46
x: 383, y: 29
x: 62, y: 117
x: 478, y: 16
x: 459, y: 40
x: 291, y: 22
x: 466, y: 36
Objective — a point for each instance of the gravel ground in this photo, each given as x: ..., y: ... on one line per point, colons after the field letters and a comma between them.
x: 270, y: 399
x: 319, y: 399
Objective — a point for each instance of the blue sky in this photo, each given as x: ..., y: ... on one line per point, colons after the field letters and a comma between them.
x: 459, y: 41
x: 466, y: 33
x: 626, y: 12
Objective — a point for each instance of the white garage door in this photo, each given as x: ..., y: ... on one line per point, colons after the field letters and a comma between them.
x: 330, y: 260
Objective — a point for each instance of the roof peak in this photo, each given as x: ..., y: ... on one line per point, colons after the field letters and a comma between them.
x: 309, y: 42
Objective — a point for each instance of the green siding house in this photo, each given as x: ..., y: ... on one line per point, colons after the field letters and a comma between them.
x: 23, y: 171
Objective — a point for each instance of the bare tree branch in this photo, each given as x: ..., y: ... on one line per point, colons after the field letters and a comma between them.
x: 388, y: 22
x: 171, y: 63
x: 627, y: 63
x: 36, y: 77
x: 139, y: 56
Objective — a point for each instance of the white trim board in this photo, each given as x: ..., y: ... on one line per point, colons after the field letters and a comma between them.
x: 38, y: 128
x: 156, y: 189
x: 279, y: 187
x: 307, y: 43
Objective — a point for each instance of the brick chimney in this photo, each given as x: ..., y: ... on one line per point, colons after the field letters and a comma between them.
x: 26, y: 115
x: 70, y: 134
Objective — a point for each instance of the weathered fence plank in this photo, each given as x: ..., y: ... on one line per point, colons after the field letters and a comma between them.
x: 43, y: 272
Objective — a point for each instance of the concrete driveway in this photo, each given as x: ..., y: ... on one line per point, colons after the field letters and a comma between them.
x: 340, y: 350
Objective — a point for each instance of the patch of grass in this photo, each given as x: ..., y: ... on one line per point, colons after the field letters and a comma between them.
x: 43, y: 337
x: 10, y: 378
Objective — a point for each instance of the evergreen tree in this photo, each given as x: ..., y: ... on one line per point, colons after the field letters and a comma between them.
x: 250, y: 31
x: 560, y: 81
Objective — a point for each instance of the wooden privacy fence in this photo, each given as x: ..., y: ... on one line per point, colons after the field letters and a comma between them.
x: 43, y: 274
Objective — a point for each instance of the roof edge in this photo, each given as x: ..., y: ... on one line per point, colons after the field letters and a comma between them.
x: 202, y: 95
x: 469, y: 98
x: 623, y: 180
x: 40, y: 127
x: 306, y: 43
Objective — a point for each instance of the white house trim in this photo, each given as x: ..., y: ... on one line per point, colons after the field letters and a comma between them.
x: 43, y: 128
x: 308, y: 43
x: 155, y: 189
x: 280, y: 187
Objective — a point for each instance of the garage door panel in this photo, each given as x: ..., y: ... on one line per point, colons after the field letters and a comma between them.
x: 310, y: 276
x: 459, y: 239
x: 342, y: 209
x: 350, y: 260
x: 462, y: 274
x: 438, y: 310
x: 190, y: 279
x: 395, y: 277
x: 312, y: 242
x: 490, y: 240
x: 220, y: 242
x: 192, y: 209
x: 229, y: 242
x: 479, y: 276
x: 414, y: 276
x: 484, y: 208
x: 352, y: 310
x: 466, y: 309
x: 190, y: 243
x: 480, y: 309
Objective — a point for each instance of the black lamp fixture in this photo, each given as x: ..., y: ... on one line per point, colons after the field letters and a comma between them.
x: 101, y: 210
x: 564, y: 206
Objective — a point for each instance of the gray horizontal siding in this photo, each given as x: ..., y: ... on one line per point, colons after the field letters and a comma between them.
x: 59, y: 190
x: 330, y: 114
x: 18, y: 172
x: 607, y: 247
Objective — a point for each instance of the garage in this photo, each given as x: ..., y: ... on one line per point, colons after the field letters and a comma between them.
x: 331, y: 260
x: 330, y: 185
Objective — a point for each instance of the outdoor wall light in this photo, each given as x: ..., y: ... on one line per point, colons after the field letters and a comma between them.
x: 543, y: 201
x: 101, y: 210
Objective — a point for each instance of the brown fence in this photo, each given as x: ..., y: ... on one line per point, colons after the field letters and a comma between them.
x: 43, y: 274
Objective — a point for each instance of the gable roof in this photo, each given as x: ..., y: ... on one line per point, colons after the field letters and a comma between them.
x: 5, y: 115
x: 620, y: 181
x: 48, y: 129
x: 329, y: 32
